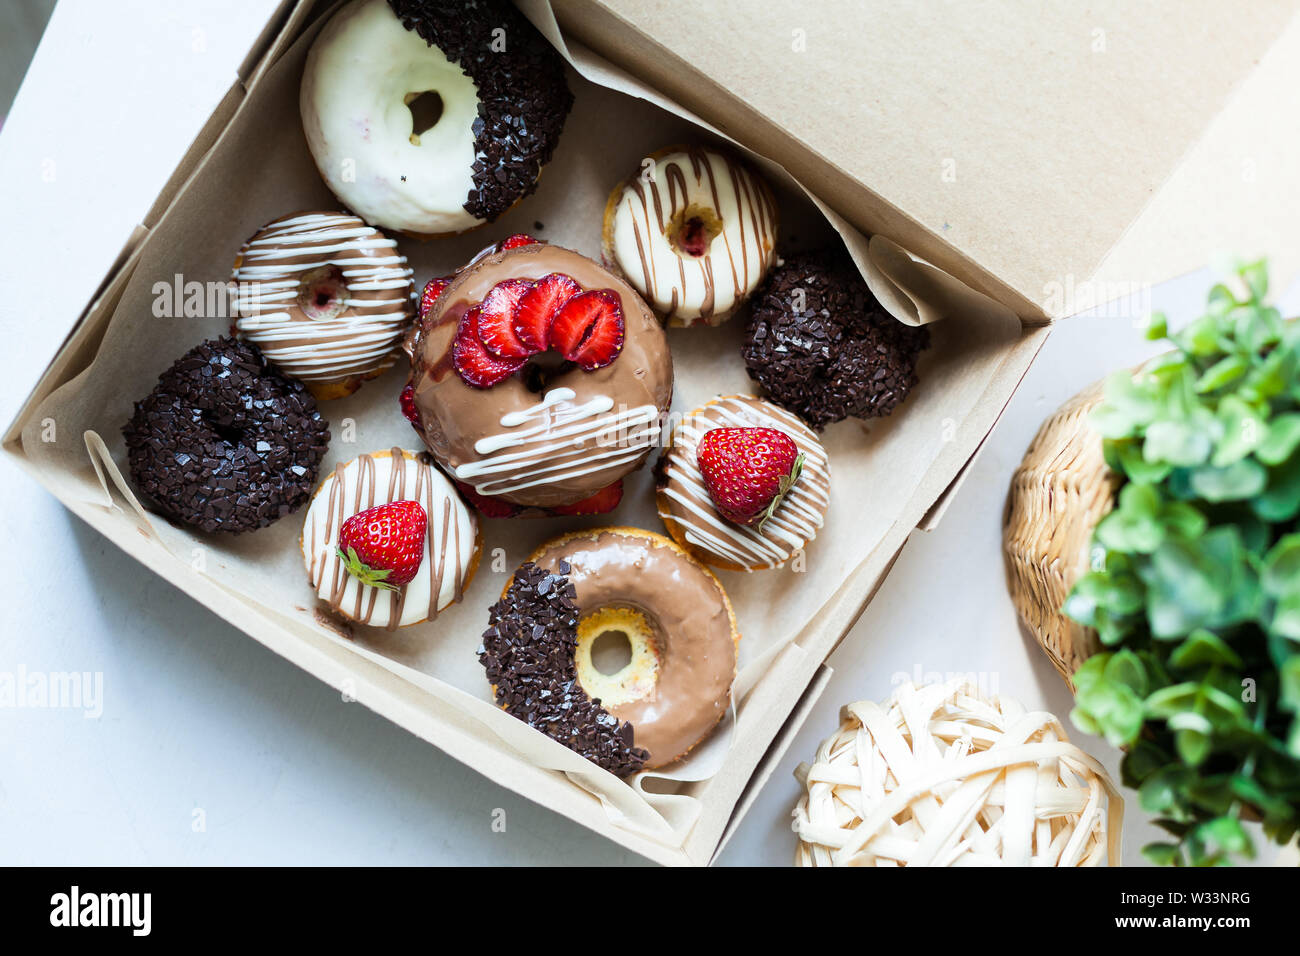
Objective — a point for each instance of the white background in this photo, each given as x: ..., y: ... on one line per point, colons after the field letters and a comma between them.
x: 201, y: 722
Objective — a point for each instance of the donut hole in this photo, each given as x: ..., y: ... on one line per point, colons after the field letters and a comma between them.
x: 611, y: 651
x: 426, y: 109
x: 617, y: 655
x: 541, y: 371
x: 323, y: 293
x: 692, y: 230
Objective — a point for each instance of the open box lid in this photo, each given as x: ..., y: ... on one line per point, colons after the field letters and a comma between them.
x: 1055, y: 155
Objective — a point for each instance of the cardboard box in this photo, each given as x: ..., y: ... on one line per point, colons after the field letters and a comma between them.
x: 898, y: 472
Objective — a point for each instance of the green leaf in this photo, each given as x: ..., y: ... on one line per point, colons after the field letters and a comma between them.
x: 1201, y: 337
x: 1192, y: 746
x: 1281, y: 441
x: 1280, y: 575
x: 1129, y: 460
x: 1203, y: 648
x: 1221, y: 373
x: 1133, y: 526
x: 1157, y: 326
x: 1125, y: 667
x: 1286, y: 617
x: 1243, y: 429
x: 1163, y: 854
x: 1255, y: 275
x: 1281, y: 500
x: 1226, y: 835
x: 1236, y: 482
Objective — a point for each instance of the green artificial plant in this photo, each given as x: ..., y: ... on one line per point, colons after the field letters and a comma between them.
x: 1194, y: 580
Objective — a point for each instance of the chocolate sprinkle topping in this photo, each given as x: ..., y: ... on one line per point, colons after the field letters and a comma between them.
x: 225, y: 443
x: 841, y: 354
x: 523, y: 95
x: 528, y: 650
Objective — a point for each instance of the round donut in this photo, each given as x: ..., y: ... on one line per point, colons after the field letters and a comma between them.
x: 452, y: 545
x: 325, y: 297
x: 679, y: 624
x: 432, y: 117
x: 224, y: 442
x: 549, y: 432
x: 689, y: 513
x: 822, y: 346
x: 694, y: 231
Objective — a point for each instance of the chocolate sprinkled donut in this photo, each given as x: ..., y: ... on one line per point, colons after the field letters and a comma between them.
x: 224, y: 442
x: 822, y: 346
x: 528, y: 653
x: 523, y: 95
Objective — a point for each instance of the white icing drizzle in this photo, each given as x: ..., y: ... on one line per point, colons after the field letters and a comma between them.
x: 378, y: 305
x: 796, y: 520
x: 449, y: 544
x: 556, y: 439
x: 681, y: 287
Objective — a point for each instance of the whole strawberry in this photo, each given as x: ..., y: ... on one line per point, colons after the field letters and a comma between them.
x: 747, y: 471
x: 383, y: 546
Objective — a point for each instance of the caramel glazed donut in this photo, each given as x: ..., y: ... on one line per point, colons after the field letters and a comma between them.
x: 325, y: 297
x: 452, y: 546
x: 421, y: 121
x: 694, y: 231
x: 550, y: 433
x: 678, y: 622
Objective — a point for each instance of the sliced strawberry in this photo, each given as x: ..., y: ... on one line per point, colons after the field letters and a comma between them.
x: 496, y: 327
x: 605, y: 500
x: 489, y: 506
x: 515, y: 241
x: 538, y: 307
x: 432, y: 290
x: 589, y: 329
x: 474, y: 363
x: 407, y: 401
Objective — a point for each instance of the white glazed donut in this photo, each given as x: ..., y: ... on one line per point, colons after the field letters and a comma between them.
x: 501, y: 111
x: 325, y: 297
x: 694, y: 231
x: 451, y: 548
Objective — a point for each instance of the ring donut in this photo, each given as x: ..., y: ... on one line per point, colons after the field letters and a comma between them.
x: 694, y: 231
x: 325, y: 297
x: 679, y: 626
x: 538, y: 430
x: 419, y: 117
x: 453, y: 541
x: 224, y: 442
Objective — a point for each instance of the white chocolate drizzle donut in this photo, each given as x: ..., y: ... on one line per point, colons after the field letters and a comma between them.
x: 694, y: 232
x: 451, y: 546
x: 325, y: 297
x: 689, y: 512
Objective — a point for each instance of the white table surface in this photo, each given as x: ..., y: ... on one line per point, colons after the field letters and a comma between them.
x: 212, y: 750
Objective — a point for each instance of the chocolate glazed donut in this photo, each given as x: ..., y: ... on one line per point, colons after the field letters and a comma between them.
x: 681, y: 629
x: 553, y: 433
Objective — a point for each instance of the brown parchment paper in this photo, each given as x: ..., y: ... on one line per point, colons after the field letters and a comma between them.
x: 261, y: 169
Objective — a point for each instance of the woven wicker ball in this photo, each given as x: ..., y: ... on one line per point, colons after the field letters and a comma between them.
x: 940, y: 776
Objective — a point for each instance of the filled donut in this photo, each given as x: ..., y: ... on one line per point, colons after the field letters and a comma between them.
x: 585, y: 586
x: 700, y: 510
x: 387, y: 541
x: 224, y: 442
x: 822, y: 346
x: 325, y: 297
x: 538, y: 377
x: 694, y: 231
x: 432, y: 117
